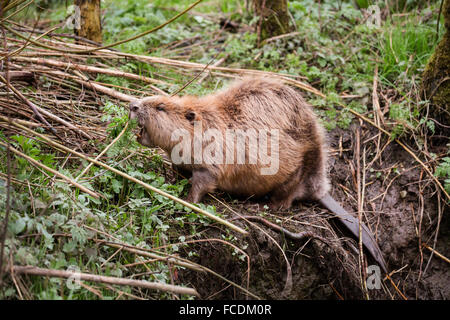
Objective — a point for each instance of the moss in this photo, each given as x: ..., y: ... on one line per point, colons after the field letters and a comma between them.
x: 436, y: 76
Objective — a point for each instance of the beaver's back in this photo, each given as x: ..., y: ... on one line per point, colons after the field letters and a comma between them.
x: 264, y: 102
x: 259, y: 103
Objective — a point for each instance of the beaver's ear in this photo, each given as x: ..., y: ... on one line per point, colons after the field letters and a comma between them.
x: 161, y: 107
x: 190, y: 115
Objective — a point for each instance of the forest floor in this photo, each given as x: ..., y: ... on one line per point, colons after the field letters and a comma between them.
x: 387, y: 158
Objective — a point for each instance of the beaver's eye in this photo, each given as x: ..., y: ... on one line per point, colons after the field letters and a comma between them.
x: 190, y: 115
x: 160, y: 107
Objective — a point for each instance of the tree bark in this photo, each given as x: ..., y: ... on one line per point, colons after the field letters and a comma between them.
x: 436, y: 76
x: 274, y: 17
x: 90, y: 23
x: 3, y: 5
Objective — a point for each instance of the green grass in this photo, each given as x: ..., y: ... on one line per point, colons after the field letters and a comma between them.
x: 405, y: 50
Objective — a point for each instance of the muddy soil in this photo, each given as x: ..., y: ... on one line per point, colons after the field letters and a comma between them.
x: 401, y: 207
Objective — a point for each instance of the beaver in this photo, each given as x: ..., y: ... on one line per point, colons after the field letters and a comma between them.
x: 223, y: 140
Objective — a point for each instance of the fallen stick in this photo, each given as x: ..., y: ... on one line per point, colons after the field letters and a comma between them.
x: 26, y: 123
x: 86, y: 68
x: 61, y: 35
x: 130, y: 178
x: 215, y: 64
x: 94, y: 85
x: 77, y: 276
x: 56, y: 173
x: 26, y: 76
x: 111, y: 92
x: 27, y: 43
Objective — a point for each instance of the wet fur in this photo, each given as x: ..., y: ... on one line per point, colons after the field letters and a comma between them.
x: 258, y: 103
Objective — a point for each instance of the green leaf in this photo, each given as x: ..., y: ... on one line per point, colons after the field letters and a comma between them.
x: 17, y: 226
x: 116, y: 185
x: 69, y: 246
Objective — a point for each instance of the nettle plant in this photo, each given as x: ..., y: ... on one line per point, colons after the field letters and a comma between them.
x: 443, y: 171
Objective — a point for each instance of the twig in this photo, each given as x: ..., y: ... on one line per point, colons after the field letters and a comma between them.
x: 438, y: 20
x: 17, y: 11
x: 169, y: 258
x: 95, y: 86
x: 436, y: 252
x: 8, y: 179
x: 37, y: 111
x: 154, y: 256
x: 282, y: 36
x: 292, y: 235
x: 375, y: 101
x: 396, y: 288
x: 215, y: 64
x: 87, y: 68
x: 199, y: 66
x: 104, y: 279
x: 173, y: 259
x: 108, y: 91
x: 61, y: 35
x: 27, y: 43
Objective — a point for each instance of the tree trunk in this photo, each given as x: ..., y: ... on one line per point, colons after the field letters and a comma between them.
x: 90, y: 25
x: 3, y: 4
x: 274, y: 17
x: 436, y: 76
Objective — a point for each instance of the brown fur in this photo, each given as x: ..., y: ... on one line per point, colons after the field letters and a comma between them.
x: 258, y: 103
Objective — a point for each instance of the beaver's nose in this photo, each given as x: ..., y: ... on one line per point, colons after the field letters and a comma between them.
x: 134, y: 106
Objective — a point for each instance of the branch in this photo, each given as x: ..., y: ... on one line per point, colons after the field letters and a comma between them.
x: 91, y: 69
x: 103, y: 279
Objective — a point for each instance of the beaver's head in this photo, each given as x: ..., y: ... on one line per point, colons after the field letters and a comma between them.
x: 158, y: 117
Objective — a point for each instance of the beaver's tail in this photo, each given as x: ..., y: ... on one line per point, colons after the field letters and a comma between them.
x: 353, y: 225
